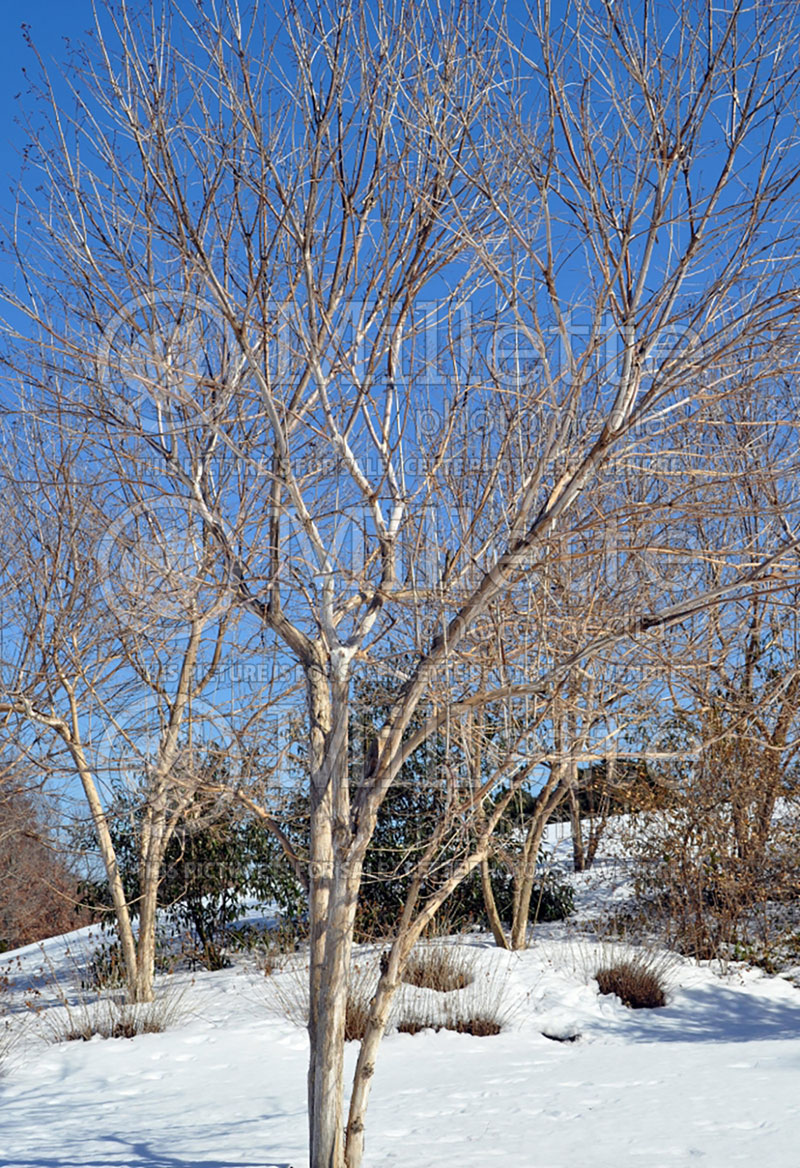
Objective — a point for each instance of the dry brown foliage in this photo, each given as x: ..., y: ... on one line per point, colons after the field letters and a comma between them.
x: 634, y: 982
x: 39, y: 895
x: 439, y: 967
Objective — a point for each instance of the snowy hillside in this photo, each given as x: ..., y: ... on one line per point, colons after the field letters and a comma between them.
x: 712, y: 1078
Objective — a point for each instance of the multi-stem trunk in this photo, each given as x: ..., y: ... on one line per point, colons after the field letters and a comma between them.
x: 410, y: 928
x: 334, y: 882
x: 157, y: 825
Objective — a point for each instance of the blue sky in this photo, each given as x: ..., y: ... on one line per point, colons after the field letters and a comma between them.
x: 50, y: 21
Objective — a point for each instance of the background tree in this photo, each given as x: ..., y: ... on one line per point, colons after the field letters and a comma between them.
x: 39, y: 887
x: 104, y: 676
x: 729, y: 827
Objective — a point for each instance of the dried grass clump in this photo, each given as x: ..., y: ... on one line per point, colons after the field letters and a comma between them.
x: 357, y: 1015
x: 443, y: 968
x: 634, y: 981
x: 478, y: 1006
x: 639, y: 974
x: 291, y: 993
x: 274, y: 950
x: 110, y: 1018
x: 452, y: 994
x: 80, y: 1016
x: 478, y: 1027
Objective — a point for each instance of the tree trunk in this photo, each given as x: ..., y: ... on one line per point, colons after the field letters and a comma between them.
x: 490, y: 904
x: 376, y: 1028
x: 335, y: 878
x: 326, y: 1075
x: 523, y: 887
x: 148, y: 918
x: 547, y: 801
x: 600, y: 818
x: 153, y: 844
x: 578, y: 853
x: 109, y: 857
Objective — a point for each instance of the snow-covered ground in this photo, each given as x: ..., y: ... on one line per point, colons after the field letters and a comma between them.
x: 712, y: 1078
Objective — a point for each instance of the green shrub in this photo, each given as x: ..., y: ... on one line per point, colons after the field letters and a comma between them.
x: 105, y: 968
x: 553, y: 897
x: 216, y: 861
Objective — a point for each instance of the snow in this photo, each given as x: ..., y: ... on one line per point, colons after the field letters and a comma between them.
x: 712, y: 1078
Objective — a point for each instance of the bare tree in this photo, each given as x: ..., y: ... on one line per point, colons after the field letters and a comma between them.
x: 733, y: 679
x: 107, y: 689
x: 387, y: 301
